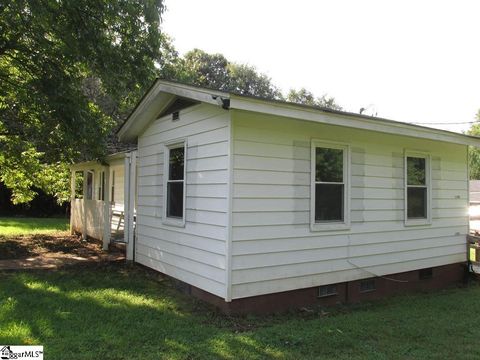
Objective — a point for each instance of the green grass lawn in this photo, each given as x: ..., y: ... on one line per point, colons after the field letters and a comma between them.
x: 127, y: 313
x: 10, y: 226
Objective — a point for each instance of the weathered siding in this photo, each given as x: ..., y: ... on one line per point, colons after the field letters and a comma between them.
x: 194, y: 253
x: 273, y: 248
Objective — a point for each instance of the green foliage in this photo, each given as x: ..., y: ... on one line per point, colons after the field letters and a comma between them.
x: 416, y: 171
x: 474, y: 153
x: 305, y: 97
x: 329, y: 165
x: 51, y: 54
x: 214, y: 71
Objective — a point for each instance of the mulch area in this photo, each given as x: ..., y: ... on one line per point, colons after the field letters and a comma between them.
x: 53, y: 251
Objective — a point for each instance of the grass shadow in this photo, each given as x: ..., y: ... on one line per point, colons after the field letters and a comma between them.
x: 120, y: 312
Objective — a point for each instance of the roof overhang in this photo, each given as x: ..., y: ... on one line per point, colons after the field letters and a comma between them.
x: 159, y: 97
x: 109, y: 159
x: 352, y: 120
x: 162, y: 93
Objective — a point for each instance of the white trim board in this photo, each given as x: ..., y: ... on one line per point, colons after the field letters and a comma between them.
x: 162, y: 92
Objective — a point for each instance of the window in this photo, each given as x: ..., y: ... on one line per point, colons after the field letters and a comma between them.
x: 417, y: 192
x: 174, y: 202
x: 329, y: 202
x: 89, y: 194
x: 101, y: 187
x: 367, y: 285
x: 327, y: 290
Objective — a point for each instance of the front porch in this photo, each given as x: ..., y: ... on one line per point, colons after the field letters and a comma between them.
x: 103, y: 200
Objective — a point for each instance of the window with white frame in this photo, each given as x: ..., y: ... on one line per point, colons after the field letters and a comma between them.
x: 417, y: 188
x: 90, y: 185
x: 329, y: 203
x: 175, y: 183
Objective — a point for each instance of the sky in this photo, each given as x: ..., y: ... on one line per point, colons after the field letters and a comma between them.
x: 412, y: 61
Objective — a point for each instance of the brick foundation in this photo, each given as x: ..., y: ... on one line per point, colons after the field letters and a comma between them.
x: 346, y: 293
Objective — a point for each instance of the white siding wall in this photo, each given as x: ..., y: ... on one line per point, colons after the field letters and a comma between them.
x: 273, y: 248
x: 118, y: 170
x: 196, y: 253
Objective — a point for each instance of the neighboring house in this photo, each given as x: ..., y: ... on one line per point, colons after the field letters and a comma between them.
x: 260, y: 205
x: 474, y: 206
x: 474, y: 192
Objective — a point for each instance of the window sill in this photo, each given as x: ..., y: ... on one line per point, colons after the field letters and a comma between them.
x: 418, y: 222
x: 174, y: 222
x: 329, y: 226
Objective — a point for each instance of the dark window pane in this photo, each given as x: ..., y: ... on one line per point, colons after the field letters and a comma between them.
x: 328, y: 202
x: 89, y: 185
x: 329, y: 165
x: 101, y: 192
x: 416, y: 203
x: 176, y: 164
x: 415, y: 171
x: 175, y: 199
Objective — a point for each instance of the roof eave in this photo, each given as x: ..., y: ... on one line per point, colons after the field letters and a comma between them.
x: 158, y: 97
x: 340, y: 118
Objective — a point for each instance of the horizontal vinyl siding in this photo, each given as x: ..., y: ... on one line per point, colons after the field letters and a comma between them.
x: 273, y: 248
x: 195, y: 253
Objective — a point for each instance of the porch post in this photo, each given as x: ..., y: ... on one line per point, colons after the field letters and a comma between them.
x: 130, y: 216
x: 126, y: 198
x: 84, y: 206
x: 107, y: 226
x: 72, y: 198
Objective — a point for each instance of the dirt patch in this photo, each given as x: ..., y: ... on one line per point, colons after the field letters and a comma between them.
x: 52, y: 251
x: 26, y: 246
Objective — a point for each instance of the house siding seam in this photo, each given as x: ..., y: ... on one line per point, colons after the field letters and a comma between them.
x: 273, y: 249
x: 194, y: 253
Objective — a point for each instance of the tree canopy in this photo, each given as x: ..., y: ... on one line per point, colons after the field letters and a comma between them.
x: 305, y: 97
x: 474, y: 153
x: 49, y: 53
x: 214, y: 71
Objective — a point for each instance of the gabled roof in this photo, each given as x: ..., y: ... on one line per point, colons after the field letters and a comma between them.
x: 162, y: 93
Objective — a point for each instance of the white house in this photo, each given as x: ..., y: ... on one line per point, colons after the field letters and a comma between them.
x: 260, y: 204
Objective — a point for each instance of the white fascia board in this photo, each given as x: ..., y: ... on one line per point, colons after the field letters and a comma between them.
x: 158, y: 98
x: 108, y: 159
x: 352, y: 121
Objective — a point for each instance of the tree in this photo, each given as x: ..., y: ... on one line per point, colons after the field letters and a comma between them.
x: 305, y: 97
x: 474, y: 153
x: 214, y: 71
x: 51, y: 53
